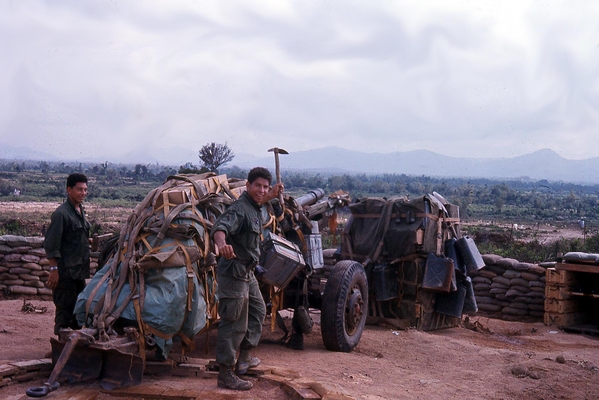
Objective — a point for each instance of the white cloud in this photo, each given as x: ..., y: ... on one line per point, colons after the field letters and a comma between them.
x: 461, y: 78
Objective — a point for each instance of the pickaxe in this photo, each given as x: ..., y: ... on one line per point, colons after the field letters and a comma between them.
x: 278, y: 151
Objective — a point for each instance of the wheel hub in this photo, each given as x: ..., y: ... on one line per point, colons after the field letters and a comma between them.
x: 354, y: 309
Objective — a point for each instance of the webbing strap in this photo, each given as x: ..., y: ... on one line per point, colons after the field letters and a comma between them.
x: 167, y: 221
x: 275, y: 300
x: 439, y: 234
x: 206, y: 238
x: 385, y: 220
x: 187, y: 342
x: 346, y: 237
x: 271, y: 222
x: 156, y: 332
x: 190, y: 275
x: 141, y: 325
x: 127, y: 248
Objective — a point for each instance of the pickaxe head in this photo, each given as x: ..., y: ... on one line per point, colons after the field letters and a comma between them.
x: 278, y: 150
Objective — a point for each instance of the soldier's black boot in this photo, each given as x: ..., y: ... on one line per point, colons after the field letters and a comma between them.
x: 245, y: 361
x: 227, y: 379
x: 296, y: 342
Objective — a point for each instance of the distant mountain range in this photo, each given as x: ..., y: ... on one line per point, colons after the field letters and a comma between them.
x: 542, y: 164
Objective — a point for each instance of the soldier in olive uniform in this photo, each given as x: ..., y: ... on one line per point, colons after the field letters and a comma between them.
x: 237, y: 234
x: 67, y: 248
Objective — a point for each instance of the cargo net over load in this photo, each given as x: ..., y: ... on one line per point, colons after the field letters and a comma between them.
x: 416, y: 260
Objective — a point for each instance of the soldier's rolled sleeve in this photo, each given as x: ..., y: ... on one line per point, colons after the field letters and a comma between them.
x: 229, y: 222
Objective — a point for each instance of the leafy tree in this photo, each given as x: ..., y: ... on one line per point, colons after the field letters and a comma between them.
x: 44, y: 167
x: 140, y: 170
x: 189, y: 168
x: 213, y: 155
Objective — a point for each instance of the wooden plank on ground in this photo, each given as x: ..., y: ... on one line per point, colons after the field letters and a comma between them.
x: 151, y: 391
x: 300, y: 392
x: 194, y: 371
x: 158, y: 368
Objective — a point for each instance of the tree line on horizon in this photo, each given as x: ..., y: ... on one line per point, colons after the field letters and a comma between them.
x: 523, y: 200
x: 477, y: 198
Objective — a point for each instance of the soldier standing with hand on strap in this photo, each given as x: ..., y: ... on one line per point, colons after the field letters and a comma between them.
x: 236, y: 235
x: 67, y: 248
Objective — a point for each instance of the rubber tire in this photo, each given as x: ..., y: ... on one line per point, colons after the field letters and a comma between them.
x: 37, y: 391
x: 346, y: 276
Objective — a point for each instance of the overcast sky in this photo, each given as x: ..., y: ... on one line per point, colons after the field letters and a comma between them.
x: 119, y: 78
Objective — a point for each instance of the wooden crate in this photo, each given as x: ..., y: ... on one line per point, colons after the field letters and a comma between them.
x: 557, y: 292
x: 592, y: 269
x: 557, y: 306
x: 560, y: 277
x: 561, y: 320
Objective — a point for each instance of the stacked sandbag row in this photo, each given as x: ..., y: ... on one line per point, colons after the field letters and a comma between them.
x: 510, y: 289
x: 24, y: 268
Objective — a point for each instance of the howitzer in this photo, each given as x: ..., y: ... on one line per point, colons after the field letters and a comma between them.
x: 166, y: 241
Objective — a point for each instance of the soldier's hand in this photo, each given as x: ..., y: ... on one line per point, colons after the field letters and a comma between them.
x: 274, y: 192
x: 53, y: 280
x: 279, y: 188
x: 226, y: 251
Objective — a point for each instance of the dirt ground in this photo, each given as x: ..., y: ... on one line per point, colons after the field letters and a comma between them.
x: 499, y: 360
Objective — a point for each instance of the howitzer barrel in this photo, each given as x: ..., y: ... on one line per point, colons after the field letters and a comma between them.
x: 310, y: 198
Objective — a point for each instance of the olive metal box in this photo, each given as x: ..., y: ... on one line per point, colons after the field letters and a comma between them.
x: 281, y: 259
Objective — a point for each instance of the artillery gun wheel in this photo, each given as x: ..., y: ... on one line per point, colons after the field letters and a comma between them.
x: 344, y: 306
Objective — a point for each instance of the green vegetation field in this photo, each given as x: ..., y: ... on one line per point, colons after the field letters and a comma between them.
x: 489, y: 209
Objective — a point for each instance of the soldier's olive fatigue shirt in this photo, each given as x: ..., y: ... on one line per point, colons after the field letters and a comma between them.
x: 67, y: 241
x: 242, y: 225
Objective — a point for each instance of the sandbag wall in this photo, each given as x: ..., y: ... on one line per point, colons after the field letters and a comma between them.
x: 509, y: 289
x: 505, y: 288
x: 24, y: 268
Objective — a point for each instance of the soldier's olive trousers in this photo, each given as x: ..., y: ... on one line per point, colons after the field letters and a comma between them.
x: 65, y: 298
x: 242, y: 311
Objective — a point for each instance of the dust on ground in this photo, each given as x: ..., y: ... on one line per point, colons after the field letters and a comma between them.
x: 484, y: 359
